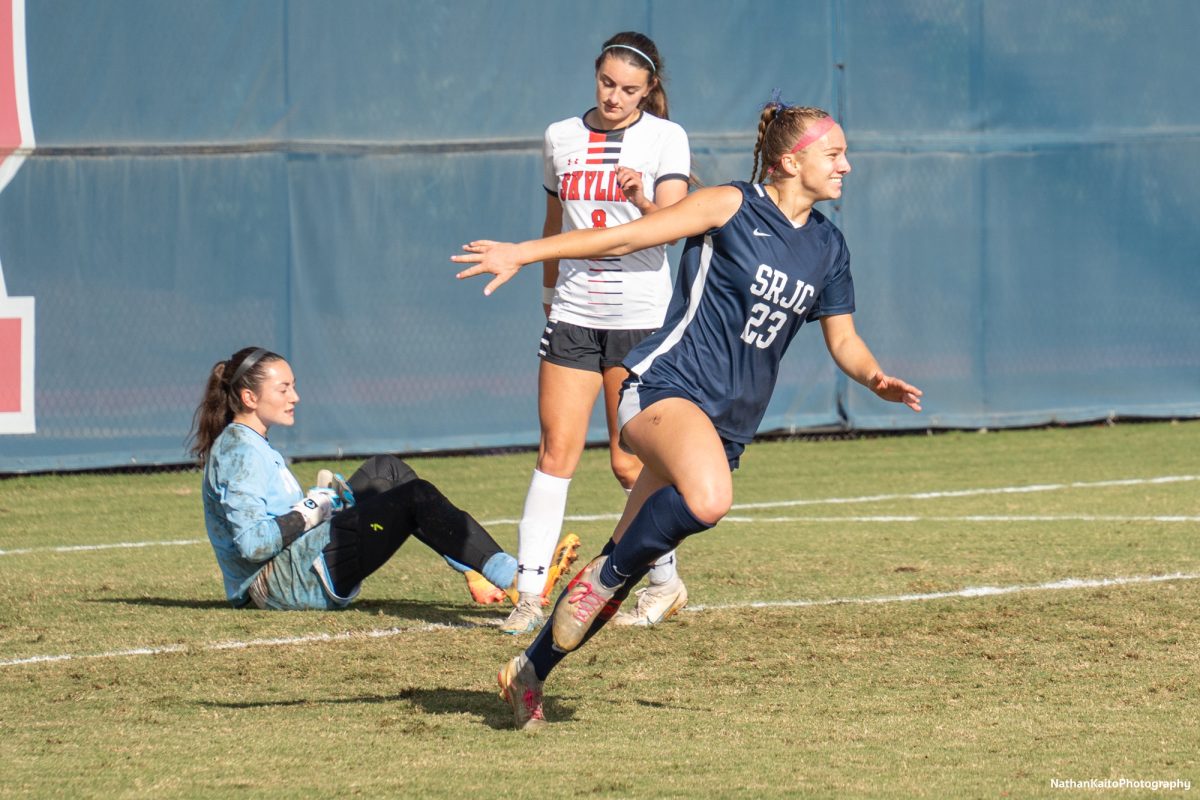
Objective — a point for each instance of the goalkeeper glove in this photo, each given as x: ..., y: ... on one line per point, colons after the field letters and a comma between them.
x: 316, y: 507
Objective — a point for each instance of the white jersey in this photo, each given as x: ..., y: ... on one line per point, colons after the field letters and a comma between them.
x: 621, y: 293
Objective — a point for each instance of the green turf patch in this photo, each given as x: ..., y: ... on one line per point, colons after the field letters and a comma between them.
x: 869, y: 684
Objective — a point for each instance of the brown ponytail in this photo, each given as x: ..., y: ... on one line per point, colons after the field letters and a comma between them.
x: 222, y: 400
x: 639, y: 50
x: 780, y: 127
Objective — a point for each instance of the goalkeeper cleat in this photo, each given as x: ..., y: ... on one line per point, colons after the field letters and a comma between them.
x: 482, y: 590
x: 584, y: 601
x: 519, y: 685
x: 655, y: 604
x: 527, y: 617
x: 565, y: 554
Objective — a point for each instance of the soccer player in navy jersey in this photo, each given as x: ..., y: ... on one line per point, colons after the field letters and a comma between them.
x: 759, y: 262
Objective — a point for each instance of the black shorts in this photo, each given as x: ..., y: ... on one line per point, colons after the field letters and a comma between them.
x: 591, y: 349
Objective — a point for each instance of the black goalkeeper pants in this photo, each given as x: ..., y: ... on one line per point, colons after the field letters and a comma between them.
x: 392, y: 503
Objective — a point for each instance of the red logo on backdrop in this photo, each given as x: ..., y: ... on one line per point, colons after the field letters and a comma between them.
x: 16, y: 141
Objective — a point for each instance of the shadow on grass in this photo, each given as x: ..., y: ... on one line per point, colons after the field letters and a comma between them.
x: 433, y: 613
x: 488, y: 706
x: 163, y: 602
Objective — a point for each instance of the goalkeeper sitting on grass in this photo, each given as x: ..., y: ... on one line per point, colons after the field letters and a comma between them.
x: 281, y: 548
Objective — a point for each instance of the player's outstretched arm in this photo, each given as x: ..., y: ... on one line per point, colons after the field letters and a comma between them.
x: 701, y: 211
x: 854, y: 358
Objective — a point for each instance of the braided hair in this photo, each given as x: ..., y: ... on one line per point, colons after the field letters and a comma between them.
x: 780, y: 126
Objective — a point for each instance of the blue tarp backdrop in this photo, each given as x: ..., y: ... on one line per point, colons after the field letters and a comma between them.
x: 295, y: 174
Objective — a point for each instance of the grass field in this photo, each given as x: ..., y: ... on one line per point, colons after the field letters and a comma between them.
x: 838, y: 643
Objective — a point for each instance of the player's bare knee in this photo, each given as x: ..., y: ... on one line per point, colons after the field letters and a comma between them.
x: 626, y: 471
x: 710, y: 503
x: 553, y: 461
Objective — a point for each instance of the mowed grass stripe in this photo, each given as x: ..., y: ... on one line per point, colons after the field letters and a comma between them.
x: 927, y: 495
x: 967, y: 593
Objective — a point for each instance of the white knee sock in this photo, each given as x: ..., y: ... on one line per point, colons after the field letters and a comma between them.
x: 541, y: 523
x: 663, y: 571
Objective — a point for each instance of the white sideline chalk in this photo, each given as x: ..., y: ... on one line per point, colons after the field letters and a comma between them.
x: 970, y: 592
x: 81, y: 548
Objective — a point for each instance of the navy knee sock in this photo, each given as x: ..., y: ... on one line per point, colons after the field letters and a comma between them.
x: 662, y: 523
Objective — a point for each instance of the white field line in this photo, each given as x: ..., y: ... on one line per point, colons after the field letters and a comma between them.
x: 877, y: 498
x: 216, y: 646
x: 384, y: 633
x: 78, y: 548
x: 970, y: 592
x: 1043, y: 487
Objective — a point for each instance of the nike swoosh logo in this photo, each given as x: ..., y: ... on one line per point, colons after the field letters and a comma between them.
x: 757, y: 232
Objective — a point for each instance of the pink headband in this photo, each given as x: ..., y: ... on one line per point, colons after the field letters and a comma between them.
x: 814, y: 132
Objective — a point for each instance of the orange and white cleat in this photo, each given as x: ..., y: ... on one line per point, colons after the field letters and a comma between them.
x: 565, y: 554
x: 482, y: 590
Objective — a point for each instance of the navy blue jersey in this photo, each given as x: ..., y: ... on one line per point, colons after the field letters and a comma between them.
x: 742, y: 292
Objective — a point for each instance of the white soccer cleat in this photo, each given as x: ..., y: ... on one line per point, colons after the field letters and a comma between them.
x: 520, y: 686
x: 655, y: 604
x: 527, y: 617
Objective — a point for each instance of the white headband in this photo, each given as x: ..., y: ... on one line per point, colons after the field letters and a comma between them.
x: 649, y: 60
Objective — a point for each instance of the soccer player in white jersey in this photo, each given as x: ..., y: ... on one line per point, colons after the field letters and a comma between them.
x: 759, y: 262
x: 617, y: 162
